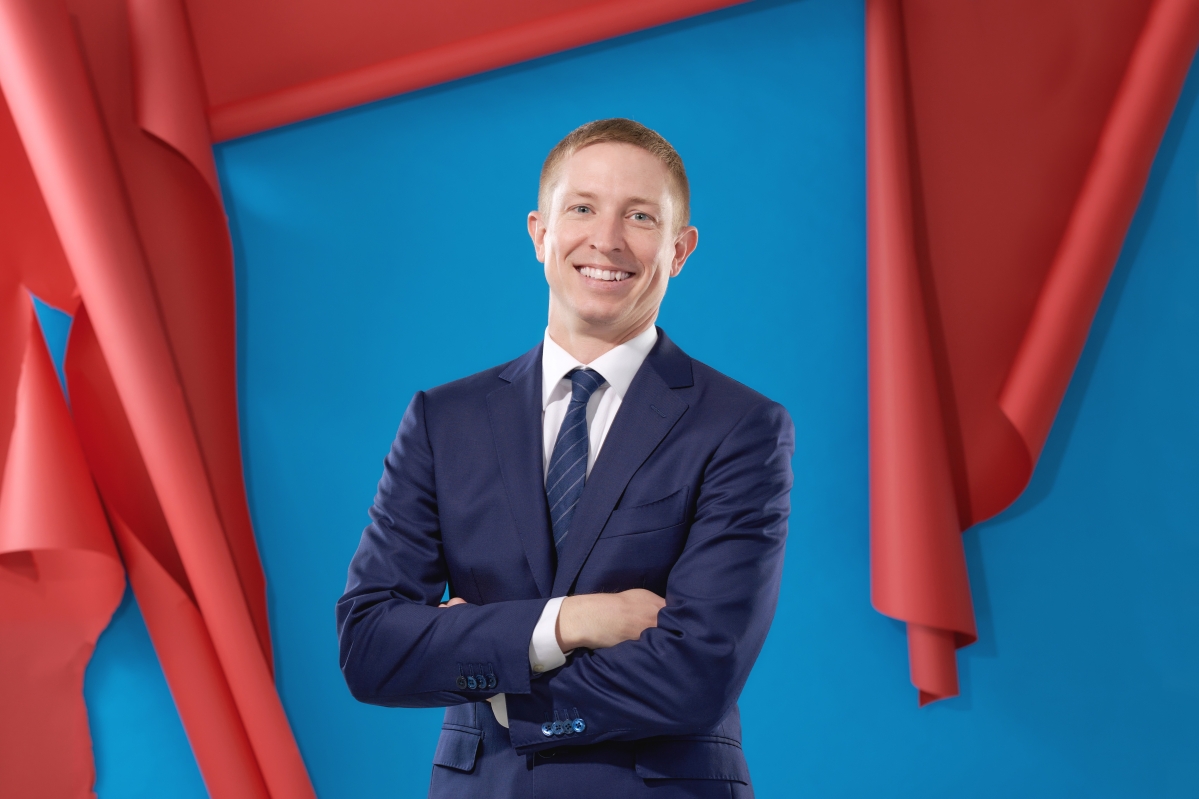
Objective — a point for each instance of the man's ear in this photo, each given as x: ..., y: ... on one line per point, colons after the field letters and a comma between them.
x: 537, y: 234
x: 684, y: 244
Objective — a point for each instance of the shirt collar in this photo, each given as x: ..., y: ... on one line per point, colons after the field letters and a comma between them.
x: 618, y: 365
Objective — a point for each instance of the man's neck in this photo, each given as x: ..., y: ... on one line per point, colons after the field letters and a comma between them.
x: 587, y: 345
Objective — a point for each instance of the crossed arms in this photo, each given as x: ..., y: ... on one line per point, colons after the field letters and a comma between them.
x: 642, y: 666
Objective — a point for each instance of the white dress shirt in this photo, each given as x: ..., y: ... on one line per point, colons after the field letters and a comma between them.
x: 618, y: 366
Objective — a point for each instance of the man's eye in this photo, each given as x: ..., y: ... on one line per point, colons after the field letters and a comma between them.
x: 581, y: 209
x: 640, y: 217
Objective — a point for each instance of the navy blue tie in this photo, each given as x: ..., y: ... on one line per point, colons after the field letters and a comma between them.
x: 568, y: 464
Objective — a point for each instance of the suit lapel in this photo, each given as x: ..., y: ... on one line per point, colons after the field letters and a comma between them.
x: 647, y: 413
x: 514, y: 412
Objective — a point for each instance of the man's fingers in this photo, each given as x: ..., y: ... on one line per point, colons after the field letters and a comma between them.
x: 455, y: 601
x: 641, y: 612
x: 648, y: 598
x: 597, y: 621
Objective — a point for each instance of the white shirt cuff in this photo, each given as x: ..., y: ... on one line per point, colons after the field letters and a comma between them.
x: 544, y: 652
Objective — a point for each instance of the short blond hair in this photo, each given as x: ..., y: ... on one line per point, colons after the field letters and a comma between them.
x: 620, y: 131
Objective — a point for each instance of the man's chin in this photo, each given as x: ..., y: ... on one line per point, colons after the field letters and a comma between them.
x: 598, y: 311
x: 612, y: 322
x: 601, y: 317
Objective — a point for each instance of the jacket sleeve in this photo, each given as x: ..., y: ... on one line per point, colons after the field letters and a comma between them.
x: 397, y: 648
x: 683, y: 676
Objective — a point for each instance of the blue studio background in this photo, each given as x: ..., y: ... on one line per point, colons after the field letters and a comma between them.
x: 383, y: 250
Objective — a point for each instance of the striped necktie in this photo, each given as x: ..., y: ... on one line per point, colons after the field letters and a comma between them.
x: 568, y: 464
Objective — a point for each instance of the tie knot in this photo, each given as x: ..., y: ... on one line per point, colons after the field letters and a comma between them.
x: 584, y: 382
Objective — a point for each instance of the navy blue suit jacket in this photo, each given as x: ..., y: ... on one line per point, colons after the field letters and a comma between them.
x: 688, y: 498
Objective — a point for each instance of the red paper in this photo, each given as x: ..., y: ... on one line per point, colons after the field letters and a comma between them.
x: 1008, y: 146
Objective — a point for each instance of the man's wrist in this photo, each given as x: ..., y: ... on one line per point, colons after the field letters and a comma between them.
x: 571, y: 626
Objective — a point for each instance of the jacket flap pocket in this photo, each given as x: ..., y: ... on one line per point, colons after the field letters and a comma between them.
x: 691, y: 760
x: 457, y: 747
x: 666, y: 512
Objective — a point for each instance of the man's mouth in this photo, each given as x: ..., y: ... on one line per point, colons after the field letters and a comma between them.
x: 612, y: 275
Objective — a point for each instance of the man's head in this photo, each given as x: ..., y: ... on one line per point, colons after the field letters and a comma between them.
x: 621, y: 131
x: 611, y: 228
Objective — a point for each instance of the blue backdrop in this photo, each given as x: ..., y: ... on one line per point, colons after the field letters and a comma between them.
x: 383, y: 250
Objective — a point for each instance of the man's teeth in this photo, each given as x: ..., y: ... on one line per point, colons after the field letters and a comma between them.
x: 604, y: 274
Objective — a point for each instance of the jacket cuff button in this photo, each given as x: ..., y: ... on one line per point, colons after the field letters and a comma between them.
x: 461, y: 682
x: 547, y: 729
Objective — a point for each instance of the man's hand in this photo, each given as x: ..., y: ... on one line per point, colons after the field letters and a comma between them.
x: 596, y: 621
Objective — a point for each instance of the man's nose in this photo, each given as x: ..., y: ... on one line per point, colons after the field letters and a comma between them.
x: 607, y: 234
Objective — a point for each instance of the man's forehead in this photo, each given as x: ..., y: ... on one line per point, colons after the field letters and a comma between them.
x: 613, y: 154
x: 609, y: 166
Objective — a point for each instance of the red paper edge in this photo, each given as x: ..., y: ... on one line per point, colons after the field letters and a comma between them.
x: 448, y: 62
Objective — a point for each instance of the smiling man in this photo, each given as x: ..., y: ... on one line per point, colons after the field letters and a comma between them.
x: 609, y: 514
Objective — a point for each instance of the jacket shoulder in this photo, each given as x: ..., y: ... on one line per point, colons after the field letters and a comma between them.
x: 471, y: 386
x: 731, y: 395
x: 727, y: 406
x: 469, y: 394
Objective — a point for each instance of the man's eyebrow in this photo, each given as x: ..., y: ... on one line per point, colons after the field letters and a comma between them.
x: 591, y: 196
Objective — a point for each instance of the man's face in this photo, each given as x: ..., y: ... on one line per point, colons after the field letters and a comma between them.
x: 608, y: 240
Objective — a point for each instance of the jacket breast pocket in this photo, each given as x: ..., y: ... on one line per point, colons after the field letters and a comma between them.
x: 638, y: 547
x: 661, y: 514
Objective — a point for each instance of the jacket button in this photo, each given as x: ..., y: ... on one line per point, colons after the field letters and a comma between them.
x: 557, y: 728
x: 578, y: 725
x: 481, y: 681
x: 547, y: 729
x: 461, y: 682
x: 492, y: 681
x: 471, y: 684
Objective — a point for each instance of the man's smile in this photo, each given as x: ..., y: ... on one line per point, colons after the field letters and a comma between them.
x: 604, y: 275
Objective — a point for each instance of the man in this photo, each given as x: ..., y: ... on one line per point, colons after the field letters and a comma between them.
x: 610, y: 516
